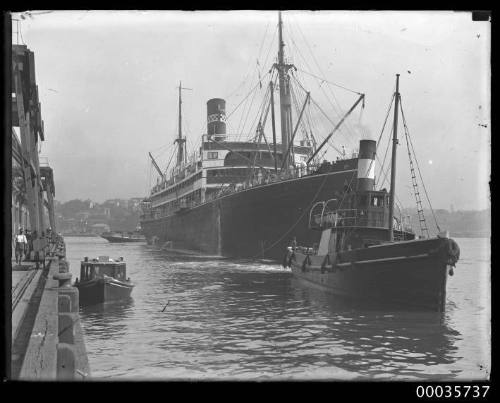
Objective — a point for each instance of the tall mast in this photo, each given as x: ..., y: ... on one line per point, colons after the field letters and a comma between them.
x: 181, y: 153
x: 180, y: 141
x: 274, y: 126
x: 393, y: 162
x: 285, y: 102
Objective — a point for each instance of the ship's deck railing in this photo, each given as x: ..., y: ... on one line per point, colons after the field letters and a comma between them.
x: 176, y: 178
x: 333, y: 218
x: 260, y: 179
x: 245, y: 138
x: 267, y: 177
x: 345, y: 218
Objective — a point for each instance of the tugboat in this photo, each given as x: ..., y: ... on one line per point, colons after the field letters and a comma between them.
x: 103, y: 280
x: 366, y: 253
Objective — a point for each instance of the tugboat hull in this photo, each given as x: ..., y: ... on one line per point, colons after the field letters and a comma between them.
x: 403, y: 275
x: 102, y: 290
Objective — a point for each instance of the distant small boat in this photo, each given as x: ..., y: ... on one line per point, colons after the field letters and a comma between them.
x: 123, y: 237
x: 103, y: 280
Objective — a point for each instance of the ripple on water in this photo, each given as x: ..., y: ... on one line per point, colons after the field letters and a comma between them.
x: 206, y: 318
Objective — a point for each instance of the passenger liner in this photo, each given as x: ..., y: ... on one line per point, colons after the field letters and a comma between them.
x: 247, y: 199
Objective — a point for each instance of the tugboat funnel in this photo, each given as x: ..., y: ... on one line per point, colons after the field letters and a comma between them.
x: 366, y: 165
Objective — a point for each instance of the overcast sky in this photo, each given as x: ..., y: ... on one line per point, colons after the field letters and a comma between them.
x: 107, y: 85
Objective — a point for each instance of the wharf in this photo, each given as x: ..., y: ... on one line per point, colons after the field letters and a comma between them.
x: 47, y: 337
x: 46, y: 334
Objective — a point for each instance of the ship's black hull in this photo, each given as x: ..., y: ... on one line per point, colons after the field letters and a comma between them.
x: 255, y: 223
x: 101, y: 290
x: 406, y: 275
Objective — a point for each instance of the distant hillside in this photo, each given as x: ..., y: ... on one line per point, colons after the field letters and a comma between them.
x: 123, y: 215
x: 86, y: 216
x: 467, y: 224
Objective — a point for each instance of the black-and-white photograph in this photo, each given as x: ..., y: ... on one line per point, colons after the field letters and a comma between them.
x: 251, y: 196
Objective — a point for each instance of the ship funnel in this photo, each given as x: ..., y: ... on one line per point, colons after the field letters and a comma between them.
x: 216, y: 119
x: 366, y: 164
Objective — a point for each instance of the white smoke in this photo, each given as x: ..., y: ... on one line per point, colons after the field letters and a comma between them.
x: 363, y: 131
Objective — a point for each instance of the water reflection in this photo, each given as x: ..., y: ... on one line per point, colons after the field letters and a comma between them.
x: 383, y: 343
x: 198, y: 317
x: 108, y: 319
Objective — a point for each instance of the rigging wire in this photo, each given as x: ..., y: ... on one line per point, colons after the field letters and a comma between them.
x: 267, y: 102
x: 170, y: 160
x: 382, y: 171
x: 407, y: 132
x: 236, y: 108
x: 149, y: 165
x: 256, y: 70
x: 317, y: 106
x: 321, y: 80
x: 322, y: 111
x: 262, y: 115
x: 259, y: 115
x: 260, y: 109
x: 307, y: 115
x: 319, y: 125
x: 295, y: 102
x: 263, y: 39
x: 382, y: 131
x: 299, y: 100
x: 271, y: 45
x: 397, y: 201
x: 239, y: 85
x: 347, y: 125
x: 247, y: 114
x: 249, y: 69
x: 162, y: 147
x: 260, y: 49
x: 245, y: 105
x: 329, y: 82
x: 319, y: 85
x: 304, y: 211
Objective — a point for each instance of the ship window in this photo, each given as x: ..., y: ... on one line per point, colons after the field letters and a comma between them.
x: 377, y: 201
x: 212, y: 155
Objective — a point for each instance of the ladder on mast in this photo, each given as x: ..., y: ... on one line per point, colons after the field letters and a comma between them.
x: 420, y: 210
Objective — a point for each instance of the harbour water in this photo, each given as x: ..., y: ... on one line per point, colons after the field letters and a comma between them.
x: 206, y: 318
